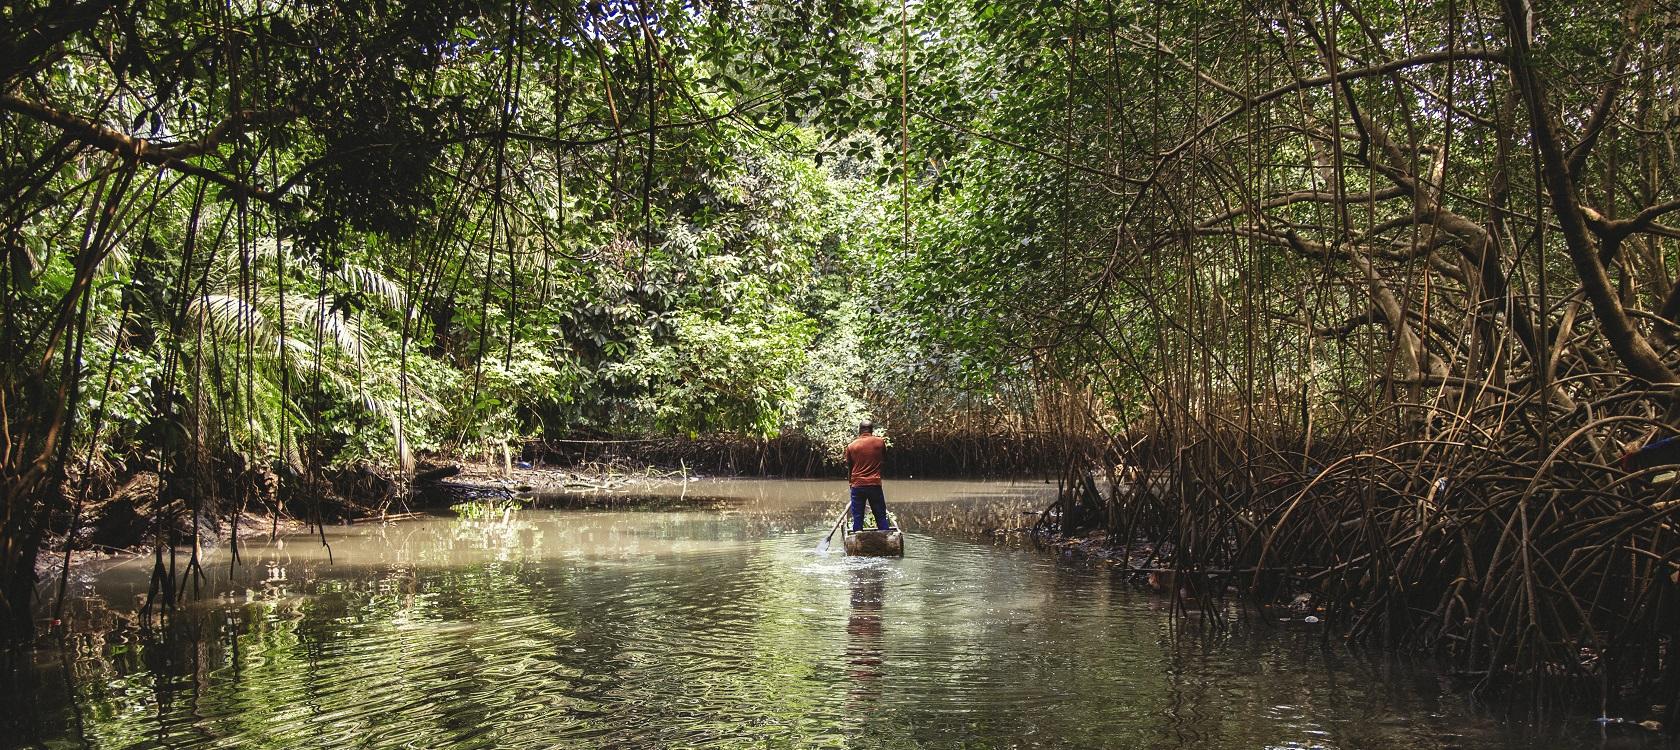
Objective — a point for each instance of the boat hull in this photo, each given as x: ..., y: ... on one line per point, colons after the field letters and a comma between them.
x: 875, y: 543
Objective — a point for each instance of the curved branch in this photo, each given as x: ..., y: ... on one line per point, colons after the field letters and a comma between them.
x: 1630, y: 345
x: 146, y: 151
x: 1392, y: 66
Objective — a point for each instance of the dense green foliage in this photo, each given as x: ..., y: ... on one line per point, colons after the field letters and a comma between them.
x: 420, y: 227
x: 1405, y: 264
x: 1379, y: 293
x: 245, y: 244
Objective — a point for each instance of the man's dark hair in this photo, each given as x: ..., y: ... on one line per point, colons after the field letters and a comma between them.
x: 866, y: 427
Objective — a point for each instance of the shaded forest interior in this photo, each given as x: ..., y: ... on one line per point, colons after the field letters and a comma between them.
x: 1365, y: 301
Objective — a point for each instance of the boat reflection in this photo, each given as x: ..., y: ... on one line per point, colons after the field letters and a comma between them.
x: 865, y: 645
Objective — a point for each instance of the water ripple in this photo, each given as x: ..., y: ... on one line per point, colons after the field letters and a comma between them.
x: 597, y: 629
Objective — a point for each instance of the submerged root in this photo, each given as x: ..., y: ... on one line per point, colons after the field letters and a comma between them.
x: 1542, y: 557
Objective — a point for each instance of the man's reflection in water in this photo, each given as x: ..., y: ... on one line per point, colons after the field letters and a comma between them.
x: 864, y: 645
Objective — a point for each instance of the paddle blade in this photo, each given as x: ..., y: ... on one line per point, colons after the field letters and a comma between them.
x: 822, y: 547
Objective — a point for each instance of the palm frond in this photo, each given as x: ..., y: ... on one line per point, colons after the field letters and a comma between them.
x: 374, y: 284
x: 326, y: 323
x: 227, y: 317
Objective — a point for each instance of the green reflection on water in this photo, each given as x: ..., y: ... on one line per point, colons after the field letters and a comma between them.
x: 702, y: 629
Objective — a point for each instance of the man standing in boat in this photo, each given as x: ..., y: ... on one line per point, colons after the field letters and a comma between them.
x: 864, y: 456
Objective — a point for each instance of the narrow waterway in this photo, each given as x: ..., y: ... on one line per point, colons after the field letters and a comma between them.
x: 675, y: 626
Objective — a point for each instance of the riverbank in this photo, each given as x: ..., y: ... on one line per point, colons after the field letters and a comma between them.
x: 1004, y: 518
x: 1001, y: 514
x: 1004, y: 514
x: 126, y: 509
x: 926, y: 506
x: 128, y: 521
x: 713, y: 624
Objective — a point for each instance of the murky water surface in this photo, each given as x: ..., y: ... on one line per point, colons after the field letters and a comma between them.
x: 658, y: 628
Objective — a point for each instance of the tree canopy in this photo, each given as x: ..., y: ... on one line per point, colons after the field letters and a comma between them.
x: 1257, y: 246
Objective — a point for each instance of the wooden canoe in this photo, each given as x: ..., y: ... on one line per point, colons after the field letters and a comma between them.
x: 875, y: 543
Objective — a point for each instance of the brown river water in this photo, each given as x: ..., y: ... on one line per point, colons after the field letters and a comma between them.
x: 712, y: 624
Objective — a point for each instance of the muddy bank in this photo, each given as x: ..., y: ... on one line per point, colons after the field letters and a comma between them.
x: 132, y: 516
x: 127, y: 508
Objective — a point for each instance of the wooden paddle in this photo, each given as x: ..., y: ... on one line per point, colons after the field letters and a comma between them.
x: 822, y: 549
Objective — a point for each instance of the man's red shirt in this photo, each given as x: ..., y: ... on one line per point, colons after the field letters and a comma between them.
x: 865, y: 454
